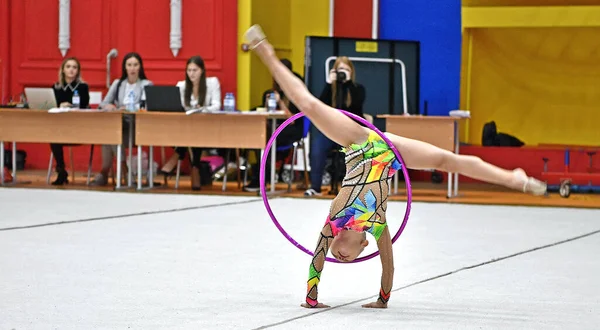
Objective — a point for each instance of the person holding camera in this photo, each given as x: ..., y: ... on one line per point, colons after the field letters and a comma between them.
x: 341, y: 92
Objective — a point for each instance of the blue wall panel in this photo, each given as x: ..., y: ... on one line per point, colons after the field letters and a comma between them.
x: 437, y: 25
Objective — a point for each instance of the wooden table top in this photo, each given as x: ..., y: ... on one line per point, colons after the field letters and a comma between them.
x: 419, y: 117
x: 270, y: 115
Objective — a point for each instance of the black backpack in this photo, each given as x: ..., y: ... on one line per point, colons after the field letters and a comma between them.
x: 491, y: 137
x: 489, y: 134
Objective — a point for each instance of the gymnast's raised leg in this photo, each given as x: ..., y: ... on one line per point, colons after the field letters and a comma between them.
x: 344, y: 131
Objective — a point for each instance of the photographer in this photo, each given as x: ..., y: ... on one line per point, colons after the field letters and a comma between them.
x: 342, y: 92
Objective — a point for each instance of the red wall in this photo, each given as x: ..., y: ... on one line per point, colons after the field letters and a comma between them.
x: 353, y: 18
x: 4, y: 50
x: 530, y: 160
x: 30, y: 57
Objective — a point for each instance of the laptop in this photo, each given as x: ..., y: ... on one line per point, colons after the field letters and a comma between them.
x: 163, y: 99
x: 40, y: 98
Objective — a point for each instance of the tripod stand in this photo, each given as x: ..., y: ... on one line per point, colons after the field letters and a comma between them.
x: 337, y: 169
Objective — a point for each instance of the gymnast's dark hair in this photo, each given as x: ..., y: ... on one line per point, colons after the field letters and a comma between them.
x: 189, y: 86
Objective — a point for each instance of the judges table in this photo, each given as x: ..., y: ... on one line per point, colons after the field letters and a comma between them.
x: 440, y: 131
x: 205, y: 130
x: 76, y: 127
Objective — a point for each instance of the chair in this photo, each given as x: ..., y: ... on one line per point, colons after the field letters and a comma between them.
x: 238, y: 165
x: 94, y: 96
x: 298, y: 144
x: 72, y: 164
x: 178, y: 172
x: 225, y: 164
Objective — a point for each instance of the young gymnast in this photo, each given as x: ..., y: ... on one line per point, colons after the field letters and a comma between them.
x: 361, y: 204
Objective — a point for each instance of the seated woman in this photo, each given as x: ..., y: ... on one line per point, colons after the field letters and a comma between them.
x: 197, y: 91
x: 128, y: 91
x: 289, y: 135
x: 69, y: 83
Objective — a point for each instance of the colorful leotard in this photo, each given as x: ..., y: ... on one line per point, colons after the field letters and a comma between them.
x: 361, y: 202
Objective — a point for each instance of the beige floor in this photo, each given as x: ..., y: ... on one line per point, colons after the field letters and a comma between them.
x: 111, y: 260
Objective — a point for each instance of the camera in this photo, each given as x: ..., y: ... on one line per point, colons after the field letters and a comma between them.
x: 342, y: 75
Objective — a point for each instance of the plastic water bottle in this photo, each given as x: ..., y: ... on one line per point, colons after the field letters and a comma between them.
x: 232, y: 102
x: 130, y: 105
x: 75, y: 100
x: 271, y: 103
x: 226, y: 102
x: 229, y: 102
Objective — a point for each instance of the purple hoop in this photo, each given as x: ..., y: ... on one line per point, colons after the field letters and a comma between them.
x: 268, y: 206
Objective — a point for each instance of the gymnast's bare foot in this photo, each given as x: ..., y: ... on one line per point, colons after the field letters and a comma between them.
x: 376, y: 304
x: 528, y: 184
x: 319, y: 305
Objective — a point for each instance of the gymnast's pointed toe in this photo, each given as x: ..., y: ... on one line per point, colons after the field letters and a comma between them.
x: 254, y: 35
x: 535, y: 187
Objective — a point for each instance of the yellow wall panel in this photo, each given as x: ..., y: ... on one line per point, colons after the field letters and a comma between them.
x: 309, y: 18
x: 286, y: 23
x: 547, y: 16
x: 274, y: 18
x: 540, y: 84
x: 243, y: 59
x: 465, y: 82
x: 530, y: 2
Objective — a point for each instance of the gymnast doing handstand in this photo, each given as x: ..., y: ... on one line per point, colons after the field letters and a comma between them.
x: 361, y: 204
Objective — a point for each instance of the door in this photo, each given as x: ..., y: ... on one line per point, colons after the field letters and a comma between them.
x: 35, y: 43
x: 207, y: 28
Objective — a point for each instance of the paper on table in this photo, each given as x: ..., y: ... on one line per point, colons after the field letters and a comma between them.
x: 196, y: 110
x: 203, y: 110
x: 460, y: 113
x: 63, y: 110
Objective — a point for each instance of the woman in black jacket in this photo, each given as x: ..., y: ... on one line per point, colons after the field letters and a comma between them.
x: 341, y: 92
x: 69, y: 86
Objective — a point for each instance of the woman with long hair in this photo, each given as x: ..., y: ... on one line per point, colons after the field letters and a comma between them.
x: 125, y: 92
x: 341, y: 92
x: 69, y: 84
x: 197, y: 91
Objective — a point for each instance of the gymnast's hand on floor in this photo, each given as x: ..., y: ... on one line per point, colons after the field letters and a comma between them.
x: 376, y: 304
x: 319, y: 305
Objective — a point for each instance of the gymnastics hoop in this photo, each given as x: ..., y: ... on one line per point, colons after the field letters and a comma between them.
x: 268, y: 206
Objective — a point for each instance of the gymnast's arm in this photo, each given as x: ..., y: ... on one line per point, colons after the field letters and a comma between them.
x: 316, y: 267
x: 387, y: 264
